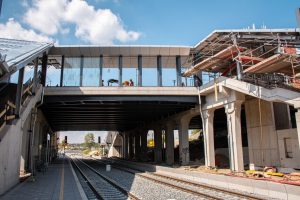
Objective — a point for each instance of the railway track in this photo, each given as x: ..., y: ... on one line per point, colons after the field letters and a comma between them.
x: 103, y: 187
x: 208, y: 192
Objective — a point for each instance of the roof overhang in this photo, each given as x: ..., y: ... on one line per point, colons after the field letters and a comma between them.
x: 18, y: 53
x: 129, y: 54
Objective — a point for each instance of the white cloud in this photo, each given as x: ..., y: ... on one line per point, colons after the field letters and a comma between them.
x: 14, y: 30
x: 96, y: 26
x: 45, y: 15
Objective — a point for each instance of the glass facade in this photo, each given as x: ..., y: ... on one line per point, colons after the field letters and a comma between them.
x: 91, y: 71
x: 169, y: 77
x: 149, y: 76
x: 72, y: 71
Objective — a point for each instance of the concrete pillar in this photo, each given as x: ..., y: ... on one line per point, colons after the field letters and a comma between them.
x: 130, y: 146
x: 157, y: 145
x: 144, y: 145
x: 159, y: 71
x: 297, y: 115
x: 140, y: 70
x: 137, y: 145
x: 208, y: 131
x: 184, y: 152
x: 239, y: 70
x: 101, y: 71
x: 126, y: 145
x: 178, y: 71
x: 19, y: 92
x: 169, y: 131
x: 120, y: 69
x: 233, y: 112
x: 62, y: 70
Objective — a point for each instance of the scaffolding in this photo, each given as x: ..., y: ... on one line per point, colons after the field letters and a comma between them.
x: 243, y: 53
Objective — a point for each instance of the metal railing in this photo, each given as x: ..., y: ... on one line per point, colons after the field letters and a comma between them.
x: 272, y: 80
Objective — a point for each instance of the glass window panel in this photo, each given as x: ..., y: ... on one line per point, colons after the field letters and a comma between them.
x: 169, y: 77
x: 130, y: 73
x: 72, y: 71
x: 110, y: 73
x: 28, y: 73
x: 91, y: 71
x: 149, y: 76
x: 53, y: 76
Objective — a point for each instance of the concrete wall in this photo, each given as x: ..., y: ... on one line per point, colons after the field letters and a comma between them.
x: 263, y: 148
x: 116, y: 147
x: 11, y: 147
x: 291, y: 134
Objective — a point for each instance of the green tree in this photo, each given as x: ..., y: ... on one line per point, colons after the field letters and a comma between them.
x: 89, y: 140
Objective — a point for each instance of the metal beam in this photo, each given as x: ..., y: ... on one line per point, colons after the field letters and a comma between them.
x: 178, y: 71
x: 35, y: 75
x: 101, y: 83
x: 159, y: 71
x: 19, y: 92
x: 44, y: 69
x: 81, y: 69
x: 140, y: 70
x: 62, y: 70
x: 120, y: 69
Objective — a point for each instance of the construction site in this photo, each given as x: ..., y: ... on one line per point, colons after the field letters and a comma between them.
x: 226, y: 125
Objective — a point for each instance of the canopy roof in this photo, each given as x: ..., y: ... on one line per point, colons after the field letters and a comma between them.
x: 19, y: 53
x: 129, y: 54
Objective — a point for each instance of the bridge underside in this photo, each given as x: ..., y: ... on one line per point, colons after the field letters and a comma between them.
x: 120, y: 113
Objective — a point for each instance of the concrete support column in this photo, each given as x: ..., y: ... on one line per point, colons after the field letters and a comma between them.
x: 184, y: 152
x: 297, y: 115
x: 159, y: 71
x: 137, y: 145
x: 157, y: 145
x: 81, y: 70
x: 208, y: 130
x: 169, y: 131
x: 144, y: 145
x: 120, y: 69
x: 101, y: 71
x: 44, y: 69
x: 178, y: 71
x: 233, y: 111
x: 126, y: 145
x: 140, y: 70
x: 62, y: 70
x: 19, y: 92
x: 131, y: 146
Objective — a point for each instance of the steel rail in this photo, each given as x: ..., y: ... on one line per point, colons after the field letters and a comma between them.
x: 112, y: 182
x: 121, y: 167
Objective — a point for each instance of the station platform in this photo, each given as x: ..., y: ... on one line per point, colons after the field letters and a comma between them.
x: 58, y: 182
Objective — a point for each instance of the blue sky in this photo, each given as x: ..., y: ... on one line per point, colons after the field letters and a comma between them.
x: 153, y: 21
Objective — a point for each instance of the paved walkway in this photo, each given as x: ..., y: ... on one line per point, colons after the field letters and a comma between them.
x: 57, y: 183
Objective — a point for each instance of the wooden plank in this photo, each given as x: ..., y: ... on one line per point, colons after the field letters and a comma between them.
x: 265, y: 63
x: 11, y: 104
x: 212, y: 60
x: 11, y: 117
